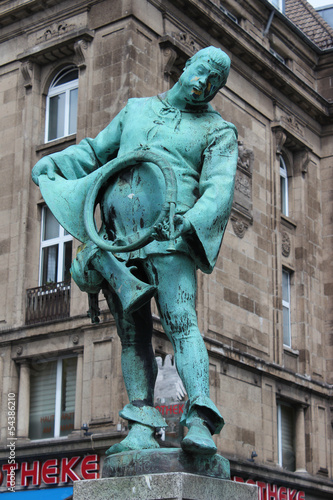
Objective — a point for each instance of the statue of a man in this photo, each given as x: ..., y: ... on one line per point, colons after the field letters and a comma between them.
x: 182, y: 127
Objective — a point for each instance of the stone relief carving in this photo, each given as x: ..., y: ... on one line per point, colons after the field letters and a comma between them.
x: 293, y: 123
x: 242, y: 205
x: 280, y: 138
x: 186, y: 39
x: 27, y: 72
x: 170, y: 55
x: 239, y: 225
x: 80, y: 58
x: 245, y: 158
x: 55, y: 30
x: 286, y: 244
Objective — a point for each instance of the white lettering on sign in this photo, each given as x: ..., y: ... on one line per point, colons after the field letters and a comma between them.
x: 267, y: 491
x: 52, y: 471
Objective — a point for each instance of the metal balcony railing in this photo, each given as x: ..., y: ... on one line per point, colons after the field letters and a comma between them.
x: 48, y: 303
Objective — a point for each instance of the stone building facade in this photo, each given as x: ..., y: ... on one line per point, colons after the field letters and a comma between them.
x: 265, y: 312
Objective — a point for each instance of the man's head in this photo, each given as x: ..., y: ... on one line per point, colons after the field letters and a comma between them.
x: 204, y: 74
x: 218, y: 60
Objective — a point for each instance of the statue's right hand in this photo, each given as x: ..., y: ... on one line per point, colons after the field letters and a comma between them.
x: 43, y: 166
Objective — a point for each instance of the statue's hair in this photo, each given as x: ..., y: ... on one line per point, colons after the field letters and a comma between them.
x: 216, y: 58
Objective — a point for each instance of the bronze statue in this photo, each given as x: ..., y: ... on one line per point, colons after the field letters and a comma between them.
x: 178, y: 141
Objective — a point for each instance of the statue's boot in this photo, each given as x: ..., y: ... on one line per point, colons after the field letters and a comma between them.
x: 140, y: 437
x: 198, y: 440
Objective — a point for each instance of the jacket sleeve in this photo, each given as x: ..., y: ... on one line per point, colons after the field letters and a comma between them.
x: 210, y: 214
x: 80, y: 160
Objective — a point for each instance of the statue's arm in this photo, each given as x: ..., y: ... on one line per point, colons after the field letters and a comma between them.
x: 81, y: 159
x: 210, y: 214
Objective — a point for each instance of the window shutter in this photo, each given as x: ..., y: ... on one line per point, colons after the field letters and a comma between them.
x: 68, y: 396
x: 287, y: 437
x: 42, y: 400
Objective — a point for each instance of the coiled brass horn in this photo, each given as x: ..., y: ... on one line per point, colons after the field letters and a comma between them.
x: 73, y: 204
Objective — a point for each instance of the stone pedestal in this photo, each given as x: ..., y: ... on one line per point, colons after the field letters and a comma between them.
x: 163, y: 461
x: 169, y: 486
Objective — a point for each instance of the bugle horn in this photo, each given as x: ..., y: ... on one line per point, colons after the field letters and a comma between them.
x: 73, y: 203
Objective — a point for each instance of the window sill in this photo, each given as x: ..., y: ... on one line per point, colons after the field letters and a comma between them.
x: 56, y: 145
x: 290, y: 351
x: 288, y: 222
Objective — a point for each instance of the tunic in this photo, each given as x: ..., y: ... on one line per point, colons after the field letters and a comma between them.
x: 202, y: 150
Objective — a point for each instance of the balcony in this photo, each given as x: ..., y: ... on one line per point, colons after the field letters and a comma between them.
x: 48, y: 303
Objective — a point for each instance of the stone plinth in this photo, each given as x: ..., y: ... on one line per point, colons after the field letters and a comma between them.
x: 170, y: 486
x: 164, y: 460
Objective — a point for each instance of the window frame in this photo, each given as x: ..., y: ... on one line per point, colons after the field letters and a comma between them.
x: 55, y: 90
x: 59, y: 242
x: 284, y: 188
x: 279, y: 405
x: 278, y: 4
x: 286, y: 305
x: 58, y: 396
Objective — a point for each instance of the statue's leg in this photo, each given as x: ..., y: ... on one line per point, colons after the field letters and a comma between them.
x: 139, y: 371
x: 176, y: 274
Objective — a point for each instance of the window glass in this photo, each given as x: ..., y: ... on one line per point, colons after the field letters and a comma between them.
x: 68, y: 396
x: 284, y: 188
x: 61, y: 105
x: 286, y: 436
x: 57, y: 116
x: 56, y: 251
x: 51, y: 225
x: 52, y: 398
x: 170, y: 398
x: 42, y: 400
x: 73, y: 111
x: 279, y: 4
x: 286, y: 308
x: 66, y: 76
x: 50, y: 265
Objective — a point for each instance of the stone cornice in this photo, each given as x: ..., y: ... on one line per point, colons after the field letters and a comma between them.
x: 267, y: 368
x: 255, y: 55
x: 56, y: 48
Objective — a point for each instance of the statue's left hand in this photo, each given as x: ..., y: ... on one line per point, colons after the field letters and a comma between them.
x: 43, y: 166
x: 162, y: 230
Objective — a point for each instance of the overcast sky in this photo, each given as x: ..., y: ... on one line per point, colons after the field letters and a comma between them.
x: 320, y: 3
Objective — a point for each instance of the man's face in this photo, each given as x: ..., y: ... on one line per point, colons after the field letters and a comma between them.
x: 199, y: 82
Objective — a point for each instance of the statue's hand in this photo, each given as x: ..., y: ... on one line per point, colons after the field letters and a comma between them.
x: 162, y: 230
x: 43, y: 166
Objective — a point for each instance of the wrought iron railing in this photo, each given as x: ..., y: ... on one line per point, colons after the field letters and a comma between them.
x: 48, y: 303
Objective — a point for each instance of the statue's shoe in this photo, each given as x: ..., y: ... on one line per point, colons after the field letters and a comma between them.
x: 198, y: 440
x: 140, y: 437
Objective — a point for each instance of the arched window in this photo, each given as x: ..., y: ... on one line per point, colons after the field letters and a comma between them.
x: 61, y: 105
x: 284, y: 187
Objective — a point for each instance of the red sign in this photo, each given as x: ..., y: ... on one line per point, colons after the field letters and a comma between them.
x: 268, y: 491
x: 52, y: 471
x: 168, y: 410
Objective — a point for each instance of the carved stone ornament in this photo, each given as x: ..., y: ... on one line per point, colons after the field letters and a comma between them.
x: 291, y: 121
x: 80, y: 58
x: 281, y: 138
x: 170, y: 55
x: 243, y: 181
x: 286, y: 244
x: 302, y: 160
x: 245, y: 158
x: 19, y: 350
x: 186, y: 39
x: 27, y: 73
x: 239, y: 225
x: 75, y: 339
x: 56, y: 30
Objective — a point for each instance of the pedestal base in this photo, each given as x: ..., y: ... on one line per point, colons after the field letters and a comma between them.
x: 172, y: 486
x: 165, y: 460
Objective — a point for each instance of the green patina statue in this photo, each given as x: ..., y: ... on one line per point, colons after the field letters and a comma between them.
x: 163, y: 175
